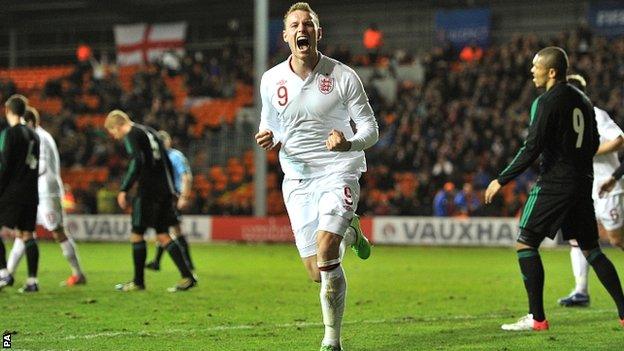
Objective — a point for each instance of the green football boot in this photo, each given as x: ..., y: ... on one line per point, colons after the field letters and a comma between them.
x: 361, y: 246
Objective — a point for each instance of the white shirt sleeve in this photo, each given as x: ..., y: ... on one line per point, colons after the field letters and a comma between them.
x: 43, y: 155
x: 268, y: 115
x: 356, y: 101
x: 611, y: 130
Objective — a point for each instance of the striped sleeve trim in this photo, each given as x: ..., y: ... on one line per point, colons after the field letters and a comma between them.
x: 534, y: 108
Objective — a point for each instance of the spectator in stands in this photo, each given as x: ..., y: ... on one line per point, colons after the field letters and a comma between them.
x: 471, y: 53
x: 83, y: 53
x: 373, y: 41
x: 466, y: 202
x: 457, y: 121
x: 107, y: 199
x: 171, y: 61
x: 7, y: 88
x: 443, y: 201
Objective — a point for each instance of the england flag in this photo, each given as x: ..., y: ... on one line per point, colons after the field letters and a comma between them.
x: 141, y: 43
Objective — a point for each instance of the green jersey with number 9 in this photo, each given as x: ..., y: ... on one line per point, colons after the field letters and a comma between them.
x: 563, y: 131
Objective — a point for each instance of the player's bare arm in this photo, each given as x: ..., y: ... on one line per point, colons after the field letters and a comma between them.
x: 492, y: 190
x: 121, y: 200
x: 185, y: 194
x: 336, y: 141
x: 607, y: 186
x: 610, y: 146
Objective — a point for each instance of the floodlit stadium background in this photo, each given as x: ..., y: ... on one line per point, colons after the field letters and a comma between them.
x: 449, y: 85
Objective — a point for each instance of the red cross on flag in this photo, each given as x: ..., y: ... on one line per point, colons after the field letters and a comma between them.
x: 140, y: 43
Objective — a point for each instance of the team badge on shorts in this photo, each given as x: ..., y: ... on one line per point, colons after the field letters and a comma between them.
x: 326, y: 84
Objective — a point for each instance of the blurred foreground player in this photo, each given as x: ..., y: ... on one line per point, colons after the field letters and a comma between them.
x: 308, y: 102
x: 150, y: 167
x: 182, y: 181
x: 563, y: 131
x: 19, y: 173
x: 50, y: 213
x: 609, y: 209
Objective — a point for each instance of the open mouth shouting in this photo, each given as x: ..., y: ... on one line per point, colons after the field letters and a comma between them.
x: 303, y: 43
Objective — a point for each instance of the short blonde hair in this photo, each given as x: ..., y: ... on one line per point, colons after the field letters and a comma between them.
x: 302, y: 6
x: 164, y: 136
x: 579, y: 78
x: 116, y: 118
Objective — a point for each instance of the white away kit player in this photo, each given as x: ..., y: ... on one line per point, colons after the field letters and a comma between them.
x: 609, y: 207
x: 308, y: 104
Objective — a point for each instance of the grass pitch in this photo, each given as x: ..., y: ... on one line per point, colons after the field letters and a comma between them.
x: 257, y: 297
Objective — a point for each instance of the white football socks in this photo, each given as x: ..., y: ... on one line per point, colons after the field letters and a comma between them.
x: 347, y: 240
x: 349, y: 236
x: 580, y: 267
x: 67, y: 246
x: 69, y: 251
x: 342, y: 249
x: 15, y: 256
x: 333, y: 294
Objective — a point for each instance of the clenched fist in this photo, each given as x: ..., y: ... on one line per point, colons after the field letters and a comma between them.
x: 337, y: 141
x: 264, y: 138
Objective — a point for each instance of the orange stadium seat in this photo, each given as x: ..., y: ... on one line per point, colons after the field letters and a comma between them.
x: 216, y: 173
x: 202, y: 185
x: 33, y: 78
x: 248, y: 162
x: 51, y: 106
x: 178, y: 89
x: 81, y: 178
x: 84, y: 121
x: 216, y: 111
x: 91, y: 101
x: 244, y: 94
x: 125, y: 76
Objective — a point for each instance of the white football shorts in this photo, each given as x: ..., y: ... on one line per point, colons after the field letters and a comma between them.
x: 609, y: 211
x: 325, y: 203
x: 50, y: 213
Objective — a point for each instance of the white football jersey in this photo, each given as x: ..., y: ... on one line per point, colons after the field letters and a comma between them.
x: 605, y: 165
x: 50, y: 183
x: 301, y: 114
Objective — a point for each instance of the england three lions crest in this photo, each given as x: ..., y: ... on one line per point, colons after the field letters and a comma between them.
x: 326, y: 84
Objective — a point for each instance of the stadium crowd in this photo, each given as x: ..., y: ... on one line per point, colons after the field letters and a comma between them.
x: 442, y: 139
x: 464, y: 122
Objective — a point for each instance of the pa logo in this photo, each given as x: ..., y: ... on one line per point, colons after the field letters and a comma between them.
x: 6, y: 340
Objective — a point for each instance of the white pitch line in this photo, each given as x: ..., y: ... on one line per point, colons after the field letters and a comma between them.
x: 402, y: 320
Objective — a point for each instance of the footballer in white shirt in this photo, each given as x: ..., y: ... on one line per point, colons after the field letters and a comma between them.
x: 50, y: 213
x: 308, y: 104
x: 609, y: 207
